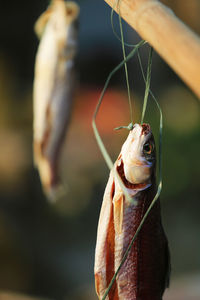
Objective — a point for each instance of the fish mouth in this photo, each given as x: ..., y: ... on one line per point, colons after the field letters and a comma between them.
x: 128, y: 184
x: 146, y: 129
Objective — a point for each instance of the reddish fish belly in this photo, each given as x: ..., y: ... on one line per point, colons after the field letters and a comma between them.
x: 142, y: 275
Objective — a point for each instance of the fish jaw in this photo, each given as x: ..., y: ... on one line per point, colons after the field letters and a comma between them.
x: 137, y: 168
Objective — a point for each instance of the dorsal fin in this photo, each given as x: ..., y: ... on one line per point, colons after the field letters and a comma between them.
x: 118, y: 212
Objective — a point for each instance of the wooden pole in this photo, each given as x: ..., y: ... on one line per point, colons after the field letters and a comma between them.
x: 177, y: 44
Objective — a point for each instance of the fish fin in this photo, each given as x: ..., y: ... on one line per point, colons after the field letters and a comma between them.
x: 118, y: 213
x: 104, y: 253
x: 50, y: 180
x: 46, y: 173
x: 41, y: 22
x: 98, y: 281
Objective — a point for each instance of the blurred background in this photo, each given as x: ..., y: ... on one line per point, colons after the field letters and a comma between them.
x: 47, y: 251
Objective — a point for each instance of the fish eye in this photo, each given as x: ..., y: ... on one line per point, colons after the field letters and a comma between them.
x: 148, y: 148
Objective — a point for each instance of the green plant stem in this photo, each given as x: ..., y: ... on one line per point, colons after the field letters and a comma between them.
x: 147, y: 83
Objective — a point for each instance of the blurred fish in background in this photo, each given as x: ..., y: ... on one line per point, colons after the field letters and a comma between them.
x: 54, y: 88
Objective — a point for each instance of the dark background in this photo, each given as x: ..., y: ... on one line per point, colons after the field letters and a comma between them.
x: 47, y: 251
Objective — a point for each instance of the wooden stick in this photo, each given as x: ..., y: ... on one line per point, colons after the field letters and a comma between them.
x: 177, y: 44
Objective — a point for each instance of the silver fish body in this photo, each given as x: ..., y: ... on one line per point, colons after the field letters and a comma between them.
x: 54, y: 87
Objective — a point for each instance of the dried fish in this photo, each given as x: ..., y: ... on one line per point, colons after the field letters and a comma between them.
x: 145, y: 273
x: 54, y: 87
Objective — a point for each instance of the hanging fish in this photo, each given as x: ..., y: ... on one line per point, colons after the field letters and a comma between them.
x: 54, y: 87
x: 145, y: 272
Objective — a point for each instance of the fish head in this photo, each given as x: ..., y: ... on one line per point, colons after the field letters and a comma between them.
x: 60, y: 16
x: 64, y: 24
x: 70, y: 9
x: 64, y: 14
x: 138, y: 155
